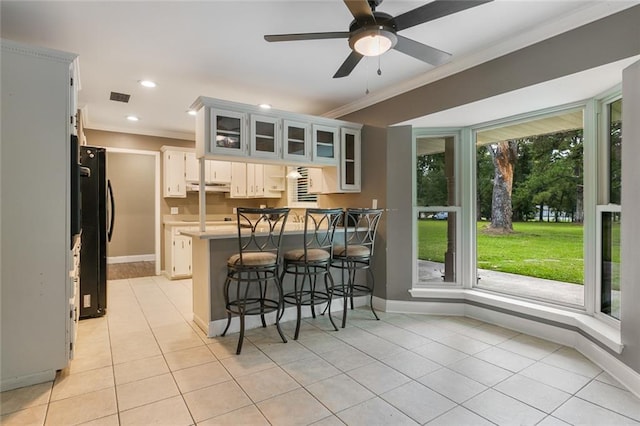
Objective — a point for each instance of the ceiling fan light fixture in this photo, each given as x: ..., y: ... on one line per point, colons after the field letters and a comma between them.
x: 373, y: 41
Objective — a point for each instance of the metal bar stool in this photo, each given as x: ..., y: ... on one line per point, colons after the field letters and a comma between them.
x: 256, y: 264
x: 355, y: 255
x: 306, y: 264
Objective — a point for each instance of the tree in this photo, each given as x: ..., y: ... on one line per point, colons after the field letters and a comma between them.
x: 431, y: 185
x: 504, y: 155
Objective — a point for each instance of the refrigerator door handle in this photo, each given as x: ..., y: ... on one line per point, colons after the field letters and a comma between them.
x: 113, y: 210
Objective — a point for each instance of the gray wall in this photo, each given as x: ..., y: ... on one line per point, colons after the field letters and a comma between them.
x: 400, y: 184
x: 630, y: 274
x: 133, y: 178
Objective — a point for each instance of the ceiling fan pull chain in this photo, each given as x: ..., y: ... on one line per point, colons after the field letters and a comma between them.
x: 367, y: 78
x: 379, y: 70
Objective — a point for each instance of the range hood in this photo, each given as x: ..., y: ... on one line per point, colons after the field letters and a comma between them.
x: 210, y: 187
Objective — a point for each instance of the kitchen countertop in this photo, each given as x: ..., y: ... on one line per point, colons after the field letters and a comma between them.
x: 227, y: 230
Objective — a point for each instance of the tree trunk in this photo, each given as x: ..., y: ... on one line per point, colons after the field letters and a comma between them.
x: 579, y: 216
x: 504, y: 155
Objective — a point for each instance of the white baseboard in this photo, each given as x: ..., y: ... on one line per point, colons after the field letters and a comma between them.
x: 567, y: 337
x: 129, y: 259
x: 22, y: 381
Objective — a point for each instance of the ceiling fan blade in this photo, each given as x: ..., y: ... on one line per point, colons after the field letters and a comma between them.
x: 348, y: 65
x: 360, y: 10
x: 420, y: 51
x: 433, y: 10
x: 307, y: 36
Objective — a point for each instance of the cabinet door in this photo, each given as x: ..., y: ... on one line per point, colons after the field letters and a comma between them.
x: 350, y: 160
x: 181, y: 256
x: 265, y: 140
x: 228, y: 133
x: 218, y: 171
x: 296, y: 140
x: 238, y: 180
x: 258, y: 180
x: 251, y: 186
x: 314, y: 176
x: 174, y: 174
x: 192, y: 168
x: 325, y: 144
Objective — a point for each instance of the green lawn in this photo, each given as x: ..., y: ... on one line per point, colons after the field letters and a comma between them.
x: 537, y: 249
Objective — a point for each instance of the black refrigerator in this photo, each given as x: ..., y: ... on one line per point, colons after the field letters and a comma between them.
x: 97, y: 227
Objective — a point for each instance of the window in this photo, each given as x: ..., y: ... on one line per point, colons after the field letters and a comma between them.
x: 608, y: 292
x: 530, y: 208
x: 297, y: 189
x: 436, y: 210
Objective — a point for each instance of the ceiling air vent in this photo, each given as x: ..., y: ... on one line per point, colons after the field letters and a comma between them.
x: 119, y: 97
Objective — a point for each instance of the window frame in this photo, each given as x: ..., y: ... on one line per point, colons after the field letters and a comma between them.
x: 457, y: 209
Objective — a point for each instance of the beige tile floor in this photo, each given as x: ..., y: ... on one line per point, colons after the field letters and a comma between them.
x: 147, y: 363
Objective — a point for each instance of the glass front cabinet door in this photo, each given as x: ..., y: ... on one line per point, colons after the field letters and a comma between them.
x: 265, y: 140
x: 296, y: 140
x: 325, y: 144
x: 228, y: 132
x: 350, y: 160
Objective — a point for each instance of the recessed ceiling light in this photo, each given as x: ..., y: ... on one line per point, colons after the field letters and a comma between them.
x: 265, y: 106
x: 132, y: 118
x: 192, y: 112
x: 148, y: 83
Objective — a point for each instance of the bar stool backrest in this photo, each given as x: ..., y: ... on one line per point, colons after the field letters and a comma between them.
x: 363, y: 224
x: 260, y: 230
x: 319, y: 229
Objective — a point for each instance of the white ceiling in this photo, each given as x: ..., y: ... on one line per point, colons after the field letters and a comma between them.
x: 216, y: 48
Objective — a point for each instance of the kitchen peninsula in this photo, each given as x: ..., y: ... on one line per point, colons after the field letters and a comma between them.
x: 210, y: 250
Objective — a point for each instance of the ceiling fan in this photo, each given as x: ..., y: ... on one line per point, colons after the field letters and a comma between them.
x: 372, y: 33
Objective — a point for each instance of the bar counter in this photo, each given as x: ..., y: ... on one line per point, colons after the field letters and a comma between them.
x: 210, y: 250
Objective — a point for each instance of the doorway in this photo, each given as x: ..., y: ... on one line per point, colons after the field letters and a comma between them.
x: 134, y: 249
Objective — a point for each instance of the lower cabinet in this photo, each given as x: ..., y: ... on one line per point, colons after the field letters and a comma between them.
x: 177, y: 253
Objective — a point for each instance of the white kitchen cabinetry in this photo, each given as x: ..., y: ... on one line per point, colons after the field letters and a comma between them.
x: 244, y: 133
x: 265, y: 137
x: 215, y: 172
x: 228, y: 132
x: 177, y: 253
x: 325, y: 144
x: 296, y: 141
x: 345, y: 177
x: 249, y: 180
x: 350, y: 161
x: 255, y: 180
x: 37, y: 311
x: 218, y: 171
x: 238, y: 180
x: 175, y: 184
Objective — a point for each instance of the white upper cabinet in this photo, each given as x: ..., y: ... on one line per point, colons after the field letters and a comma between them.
x: 218, y: 171
x: 296, y: 141
x: 228, y: 135
x: 174, y: 173
x: 238, y: 180
x: 215, y: 172
x: 325, y: 144
x: 244, y: 133
x: 265, y: 137
x: 350, y: 162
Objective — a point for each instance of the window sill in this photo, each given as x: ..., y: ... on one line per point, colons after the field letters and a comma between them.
x: 588, y: 325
